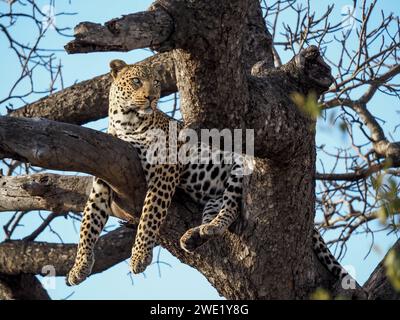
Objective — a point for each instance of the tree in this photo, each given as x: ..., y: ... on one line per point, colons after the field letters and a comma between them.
x: 224, y: 62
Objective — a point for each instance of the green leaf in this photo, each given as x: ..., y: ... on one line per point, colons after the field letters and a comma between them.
x: 321, y: 294
x: 383, y: 214
x: 392, y: 265
x: 307, y: 104
x: 377, y: 182
x: 387, y: 195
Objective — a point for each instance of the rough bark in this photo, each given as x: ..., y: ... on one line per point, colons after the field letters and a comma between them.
x: 211, y: 78
x: 257, y: 41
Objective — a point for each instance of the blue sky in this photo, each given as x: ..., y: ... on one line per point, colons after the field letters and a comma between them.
x: 177, y: 281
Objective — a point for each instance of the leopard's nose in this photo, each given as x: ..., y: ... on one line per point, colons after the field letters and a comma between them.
x: 150, y: 98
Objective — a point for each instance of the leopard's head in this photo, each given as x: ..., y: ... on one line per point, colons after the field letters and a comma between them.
x: 135, y: 87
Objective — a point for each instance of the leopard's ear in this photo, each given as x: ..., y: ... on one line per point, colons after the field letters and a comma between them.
x: 116, y: 66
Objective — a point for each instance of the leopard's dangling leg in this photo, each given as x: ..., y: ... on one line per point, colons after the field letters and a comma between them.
x: 95, y: 215
x: 161, y: 188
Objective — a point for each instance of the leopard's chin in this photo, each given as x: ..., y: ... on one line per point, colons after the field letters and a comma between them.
x: 148, y: 110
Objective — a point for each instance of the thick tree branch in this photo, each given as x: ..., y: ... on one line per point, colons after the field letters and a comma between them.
x: 88, y: 100
x: 46, y: 191
x: 133, y: 31
x: 30, y: 257
x: 54, y: 145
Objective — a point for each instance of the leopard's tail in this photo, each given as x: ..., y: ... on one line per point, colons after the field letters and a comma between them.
x: 325, y: 256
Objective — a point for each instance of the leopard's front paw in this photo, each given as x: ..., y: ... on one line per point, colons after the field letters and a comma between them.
x: 140, y: 260
x: 210, y: 230
x: 192, y: 239
x: 80, y: 271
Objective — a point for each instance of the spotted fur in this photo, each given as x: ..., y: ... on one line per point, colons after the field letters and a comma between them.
x: 133, y: 114
x: 326, y: 257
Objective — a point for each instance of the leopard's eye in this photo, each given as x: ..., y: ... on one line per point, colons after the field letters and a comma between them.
x: 136, y: 80
x: 156, y: 82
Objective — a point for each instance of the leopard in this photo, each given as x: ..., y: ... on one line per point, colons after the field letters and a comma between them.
x: 217, y: 186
